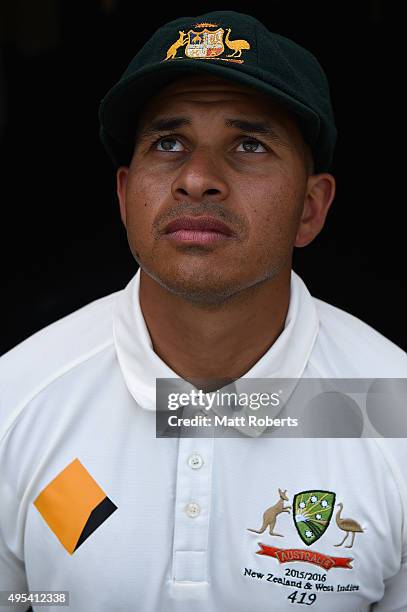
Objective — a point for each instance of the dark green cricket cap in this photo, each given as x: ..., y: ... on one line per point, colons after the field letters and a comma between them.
x: 233, y: 46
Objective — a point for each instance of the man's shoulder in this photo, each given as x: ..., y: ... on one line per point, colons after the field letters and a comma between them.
x: 58, y: 347
x: 361, y: 349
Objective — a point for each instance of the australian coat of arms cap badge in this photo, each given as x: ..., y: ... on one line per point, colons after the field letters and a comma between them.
x: 207, y: 41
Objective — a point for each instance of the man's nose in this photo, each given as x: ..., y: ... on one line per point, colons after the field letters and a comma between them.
x: 200, y: 177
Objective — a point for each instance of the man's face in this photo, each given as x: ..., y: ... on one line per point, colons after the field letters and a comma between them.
x: 207, y: 147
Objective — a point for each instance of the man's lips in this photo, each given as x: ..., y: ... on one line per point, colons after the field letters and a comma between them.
x: 197, y: 225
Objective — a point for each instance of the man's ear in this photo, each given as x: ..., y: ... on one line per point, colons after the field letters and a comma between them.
x: 318, y: 199
x: 121, y: 186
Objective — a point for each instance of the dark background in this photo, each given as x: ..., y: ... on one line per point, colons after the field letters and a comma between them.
x: 62, y: 242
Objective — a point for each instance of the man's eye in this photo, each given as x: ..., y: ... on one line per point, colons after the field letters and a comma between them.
x: 251, y: 146
x: 169, y: 144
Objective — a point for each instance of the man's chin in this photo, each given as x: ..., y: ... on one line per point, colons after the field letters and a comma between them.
x: 206, y: 287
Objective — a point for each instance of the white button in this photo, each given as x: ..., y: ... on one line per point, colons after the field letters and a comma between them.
x: 195, y: 461
x: 192, y: 510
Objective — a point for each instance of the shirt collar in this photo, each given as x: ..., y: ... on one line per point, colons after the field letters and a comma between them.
x: 140, y: 365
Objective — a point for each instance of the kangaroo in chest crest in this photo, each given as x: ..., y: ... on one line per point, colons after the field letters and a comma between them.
x: 270, y: 515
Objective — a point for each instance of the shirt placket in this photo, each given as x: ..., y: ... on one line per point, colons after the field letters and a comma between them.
x: 192, y: 511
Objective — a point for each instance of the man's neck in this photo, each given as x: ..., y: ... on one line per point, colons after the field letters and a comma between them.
x: 221, y: 342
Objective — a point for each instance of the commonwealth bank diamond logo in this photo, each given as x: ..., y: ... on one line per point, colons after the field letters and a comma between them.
x: 73, y: 505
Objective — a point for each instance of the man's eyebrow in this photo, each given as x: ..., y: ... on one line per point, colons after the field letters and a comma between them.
x: 257, y: 127
x: 162, y: 124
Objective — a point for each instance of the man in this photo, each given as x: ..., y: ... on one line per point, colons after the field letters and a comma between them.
x: 223, y: 136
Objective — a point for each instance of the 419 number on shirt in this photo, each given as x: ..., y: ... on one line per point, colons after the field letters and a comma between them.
x: 302, y: 598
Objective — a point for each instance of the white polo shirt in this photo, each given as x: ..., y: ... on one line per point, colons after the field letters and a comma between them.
x: 93, y: 503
